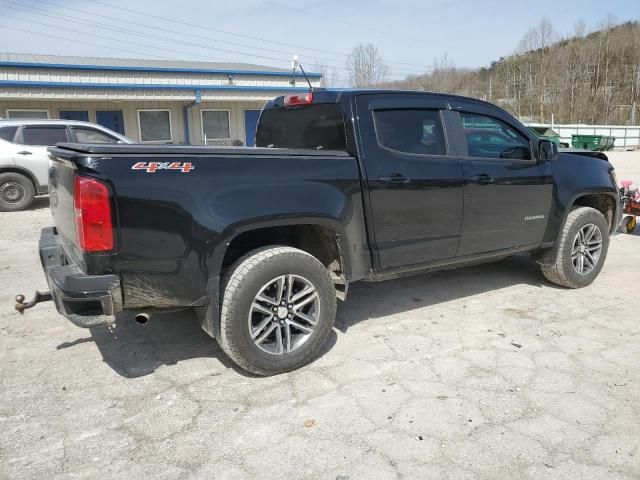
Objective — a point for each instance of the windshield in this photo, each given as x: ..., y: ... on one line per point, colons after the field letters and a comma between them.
x: 320, y: 127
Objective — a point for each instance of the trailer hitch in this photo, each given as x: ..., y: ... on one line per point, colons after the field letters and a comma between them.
x: 21, y: 306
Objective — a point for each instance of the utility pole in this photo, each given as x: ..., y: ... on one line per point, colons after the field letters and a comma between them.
x: 634, y: 104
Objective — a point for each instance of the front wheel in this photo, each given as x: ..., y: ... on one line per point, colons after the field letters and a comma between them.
x: 278, y: 308
x: 582, y: 249
x: 16, y: 192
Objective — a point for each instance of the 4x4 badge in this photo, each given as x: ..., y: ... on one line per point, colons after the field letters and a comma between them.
x: 152, y: 167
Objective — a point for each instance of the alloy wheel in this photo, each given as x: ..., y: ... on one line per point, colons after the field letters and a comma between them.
x: 284, y: 314
x: 586, y: 250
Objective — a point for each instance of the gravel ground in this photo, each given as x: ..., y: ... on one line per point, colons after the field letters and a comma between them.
x: 484, y: 372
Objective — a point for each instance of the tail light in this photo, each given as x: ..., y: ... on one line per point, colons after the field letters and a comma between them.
x: 298, y: 99
x: 93, y: 215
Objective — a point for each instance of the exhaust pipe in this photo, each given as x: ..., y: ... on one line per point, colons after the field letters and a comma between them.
x: 142, y: 318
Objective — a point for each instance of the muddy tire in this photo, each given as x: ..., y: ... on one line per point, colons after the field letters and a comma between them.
x: 277, y: 310
x: 16, y: 192
x: 582, y: 249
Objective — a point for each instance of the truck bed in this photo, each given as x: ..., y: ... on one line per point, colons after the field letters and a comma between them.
x: 172, y: 226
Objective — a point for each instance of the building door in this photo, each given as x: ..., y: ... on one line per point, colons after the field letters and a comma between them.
x: 81, y: 115
x: 250, y: 125
x: 111, y: 119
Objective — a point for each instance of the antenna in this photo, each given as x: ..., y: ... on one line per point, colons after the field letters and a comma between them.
x: 295, y: 63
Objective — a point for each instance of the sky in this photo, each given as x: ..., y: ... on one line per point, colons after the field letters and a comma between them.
x: 409, y: 34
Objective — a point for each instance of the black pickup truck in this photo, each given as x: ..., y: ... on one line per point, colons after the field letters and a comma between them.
x: 343, y: 186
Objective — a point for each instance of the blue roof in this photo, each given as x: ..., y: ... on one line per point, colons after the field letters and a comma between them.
x: 15, y: 60
x: 147, y: 86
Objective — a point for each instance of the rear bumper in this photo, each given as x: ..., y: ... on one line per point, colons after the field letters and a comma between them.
x: 86, y: 300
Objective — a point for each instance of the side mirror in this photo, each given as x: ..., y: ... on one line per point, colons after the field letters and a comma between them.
x: 547, y: 150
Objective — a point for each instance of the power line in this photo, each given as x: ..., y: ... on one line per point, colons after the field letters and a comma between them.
x: 94, y: 35
x: 141, y: 34
x: 126, y: 31
x: 35, y: 11
x: 342, y: 22
x: 174, y: 21
x: 66, y: 39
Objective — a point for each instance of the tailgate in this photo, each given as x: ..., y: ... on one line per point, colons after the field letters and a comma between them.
x: 61, y: 178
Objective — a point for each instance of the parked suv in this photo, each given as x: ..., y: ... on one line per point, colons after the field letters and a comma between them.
x: 24, y: 160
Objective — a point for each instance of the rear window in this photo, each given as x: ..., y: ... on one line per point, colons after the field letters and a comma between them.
x: 7, y: 133
x: 320, y: 127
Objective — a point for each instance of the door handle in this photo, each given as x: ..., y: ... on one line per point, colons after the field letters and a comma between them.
x: 25, y: 152
x: 394, y: 180
x: 482, y: 179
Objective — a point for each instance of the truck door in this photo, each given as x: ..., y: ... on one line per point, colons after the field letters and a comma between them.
x: 507, y: 193
x: 415, y: 187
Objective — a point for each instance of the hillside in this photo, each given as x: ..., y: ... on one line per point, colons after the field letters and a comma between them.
x: 593, y: 78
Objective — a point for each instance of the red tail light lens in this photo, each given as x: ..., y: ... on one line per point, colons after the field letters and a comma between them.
x: 298, y: 99
x: 93, y: 215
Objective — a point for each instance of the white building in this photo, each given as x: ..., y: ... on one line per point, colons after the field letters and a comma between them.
x: 147, y: 100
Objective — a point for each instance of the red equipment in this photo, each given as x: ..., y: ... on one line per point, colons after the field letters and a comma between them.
x: 630, y: 204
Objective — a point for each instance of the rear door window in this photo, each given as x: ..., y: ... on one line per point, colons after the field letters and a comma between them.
x: 488, y: 137
x: 320, y: 127
x: 43, y: 135
x: 417, y: 131
x: 8, y: 133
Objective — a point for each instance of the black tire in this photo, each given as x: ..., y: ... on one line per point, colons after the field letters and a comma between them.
x: 16, y: 192
x: 562, y: 272
x: 240, y: 286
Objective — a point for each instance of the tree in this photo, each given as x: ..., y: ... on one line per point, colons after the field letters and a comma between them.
x: 588, y: 77
x: 366, y: 67
x: 329, y: 77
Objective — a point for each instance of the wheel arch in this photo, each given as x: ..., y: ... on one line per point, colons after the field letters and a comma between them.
x: 22, y: 171
x: 324, y: 238
x: 321, y: 237
x: 606, y: 202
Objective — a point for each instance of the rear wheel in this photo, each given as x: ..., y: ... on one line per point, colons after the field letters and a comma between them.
x: 582, y: 249
x: 16, y: 192
x: 278, y: 308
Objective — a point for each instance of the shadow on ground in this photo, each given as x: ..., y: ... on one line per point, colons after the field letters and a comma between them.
x: 410, y: 293
x: 135, y: 350
x: 39, y: 203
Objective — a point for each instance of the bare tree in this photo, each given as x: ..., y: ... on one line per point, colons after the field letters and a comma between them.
x: 366, y: 67
x: 539, y: 37
x: 329, y: 76
x: 579, y: 29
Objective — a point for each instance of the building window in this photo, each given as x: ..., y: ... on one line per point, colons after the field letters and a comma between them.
x: 215, y: 125
x: 154, y: 125
x: 40, y: 114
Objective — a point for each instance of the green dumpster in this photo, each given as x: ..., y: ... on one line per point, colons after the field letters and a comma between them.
x: 593, y: 142
x: 545, y: 133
